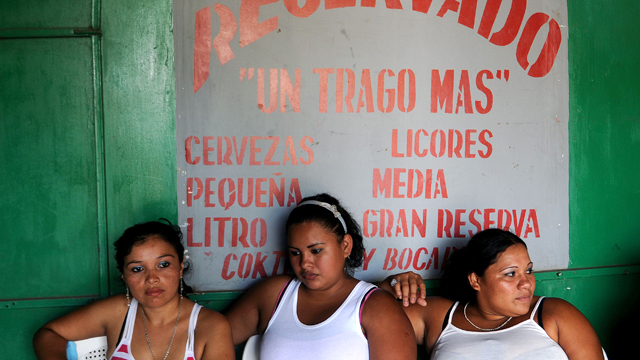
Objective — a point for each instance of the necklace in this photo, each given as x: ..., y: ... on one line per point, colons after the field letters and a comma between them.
x: 146, y: 334
x: 478, y: 327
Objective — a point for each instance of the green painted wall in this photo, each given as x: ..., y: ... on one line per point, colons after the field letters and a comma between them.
x: 87, y: 148
x: 87, y: 140
x: 604, y: 132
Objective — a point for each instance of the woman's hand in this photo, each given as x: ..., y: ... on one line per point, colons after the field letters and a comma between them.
x: 408, y: 287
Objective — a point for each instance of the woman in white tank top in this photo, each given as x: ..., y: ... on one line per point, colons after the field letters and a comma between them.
x: 322, y: 312
x: 156, y: 321
x: 489, y: 310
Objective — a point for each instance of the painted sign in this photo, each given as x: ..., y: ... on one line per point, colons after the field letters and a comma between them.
x: 429, y: 119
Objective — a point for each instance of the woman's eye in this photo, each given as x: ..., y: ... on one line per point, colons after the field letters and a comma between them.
x: 510, y: 274
x: 315, y: 251
x: 530, y: 271
x: 136, y: 269
x: 294, y: 253
x: 164, y: 264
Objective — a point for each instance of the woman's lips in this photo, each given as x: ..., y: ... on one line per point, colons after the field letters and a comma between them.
x: 309, y: 276
x: 154, y: 292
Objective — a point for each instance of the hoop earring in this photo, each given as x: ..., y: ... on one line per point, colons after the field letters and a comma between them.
x: 181, y: 288
x: 128, y: 301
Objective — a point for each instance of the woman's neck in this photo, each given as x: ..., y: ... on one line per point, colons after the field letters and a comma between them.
x: 483, y: 311
x: 165, y: 314
x: 337, y: 290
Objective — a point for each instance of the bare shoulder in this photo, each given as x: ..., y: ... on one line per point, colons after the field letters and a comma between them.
x: 566, y: 325
x: 553, y: 305
x: 380, y: 304
x: 439, y: 304
x: 435, y: 310
x: 213, y: 339
x: 212, y: 320
x: 381, y: 309
x: 266, y: 292
x: 387, y: 327
x: 556, y: 311
x: 99, y: 318
x: 111, y: 312
x: 250, y: 314
x: 212, y: 326
x: 379, y: 299
x: 272, y: 283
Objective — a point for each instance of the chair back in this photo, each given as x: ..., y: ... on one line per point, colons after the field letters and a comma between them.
x: 88, y: 349
x: 252, y: 348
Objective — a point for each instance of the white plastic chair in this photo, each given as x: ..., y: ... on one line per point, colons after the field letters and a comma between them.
x: 252, y: 348
x: 88, y: 349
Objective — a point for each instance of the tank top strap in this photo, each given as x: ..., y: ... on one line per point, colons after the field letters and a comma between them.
x: 123, y: 347
x: 364, y: 299
x: 193, y: 320
x: 131, y: 320
x: 535, y: 308
x: 453, y: 309
x: 282, y: 291
x: 288, y: 297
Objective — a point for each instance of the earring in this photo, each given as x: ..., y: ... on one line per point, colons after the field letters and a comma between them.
x: 128, y: 302
x: 181, y: 289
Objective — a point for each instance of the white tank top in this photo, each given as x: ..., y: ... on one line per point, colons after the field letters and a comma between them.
x: 123, y: 349
x: 526, y: 340
x: 338, y: 337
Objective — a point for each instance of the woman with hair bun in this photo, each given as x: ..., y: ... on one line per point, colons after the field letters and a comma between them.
x: 322, y: 312
x: 488, y: 310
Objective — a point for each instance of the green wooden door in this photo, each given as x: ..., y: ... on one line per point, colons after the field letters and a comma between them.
x: 87, y: 148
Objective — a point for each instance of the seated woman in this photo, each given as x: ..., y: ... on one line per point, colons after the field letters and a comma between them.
x: 322, y: 312
x: 489, y: 311
x: 155, y: 321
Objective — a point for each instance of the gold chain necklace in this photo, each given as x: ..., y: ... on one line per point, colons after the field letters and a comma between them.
x: 478, y: 327
x: 146, y: 334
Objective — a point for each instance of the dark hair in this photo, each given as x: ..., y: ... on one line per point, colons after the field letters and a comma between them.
x: 324, y: 217
x: 139, y: 233
x: 481, y: 252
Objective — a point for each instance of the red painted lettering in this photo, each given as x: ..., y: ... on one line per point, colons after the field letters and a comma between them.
x: 250, y: 29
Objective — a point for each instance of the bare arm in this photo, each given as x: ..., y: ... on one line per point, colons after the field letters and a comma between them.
x: 214, y: 328
x: 95, y: 319
x: 571, y: 330
x: 409, y: 288
x: 388, y: 329
x: 47, y: 344
x: 251, y: 313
